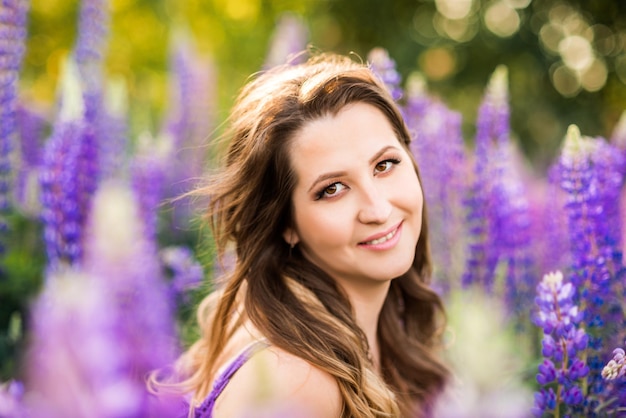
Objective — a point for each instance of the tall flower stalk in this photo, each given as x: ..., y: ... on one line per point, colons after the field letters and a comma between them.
x: 100, y: 329
x: 12, y: 45
x: 562, y: 370
x: 148, y: 172
x: 589, y: 178
x: 89, y: 56
x: 120, y: 255
x: 492, y: 128
x: 497, y: 206
x: 385, y: 67
x: 62, y: 214
x: 188, y: 124
x: 438, y: 148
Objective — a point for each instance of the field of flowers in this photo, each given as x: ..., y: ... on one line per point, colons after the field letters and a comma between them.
x: 529, y: 264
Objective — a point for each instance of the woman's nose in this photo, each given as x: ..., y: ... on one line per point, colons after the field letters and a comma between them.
x: 375, y: 206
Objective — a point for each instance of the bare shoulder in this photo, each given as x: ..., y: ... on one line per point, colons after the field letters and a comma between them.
x: 281, y: 384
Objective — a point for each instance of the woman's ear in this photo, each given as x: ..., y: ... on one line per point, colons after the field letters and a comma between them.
x: 291, y: 237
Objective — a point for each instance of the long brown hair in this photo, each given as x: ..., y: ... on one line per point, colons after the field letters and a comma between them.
x: 296, y: 305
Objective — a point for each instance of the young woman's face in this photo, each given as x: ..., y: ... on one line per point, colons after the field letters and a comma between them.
x: 358, y: 201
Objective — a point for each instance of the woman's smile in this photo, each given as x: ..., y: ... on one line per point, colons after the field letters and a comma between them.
x: 383, y: 241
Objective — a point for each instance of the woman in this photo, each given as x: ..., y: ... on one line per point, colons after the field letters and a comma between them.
x: 329, y: 294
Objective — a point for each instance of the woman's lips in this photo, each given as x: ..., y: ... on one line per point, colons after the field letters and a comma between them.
x: 383, y: 240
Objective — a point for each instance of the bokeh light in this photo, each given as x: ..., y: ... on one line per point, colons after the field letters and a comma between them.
x: 565, y: 80
x: 502, y: 19
x: 576, y: 52
x: 438, y: 63
x: 454, y: 9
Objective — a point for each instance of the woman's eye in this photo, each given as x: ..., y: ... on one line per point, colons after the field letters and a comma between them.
x: 330, y: 190
x: 385, y: 166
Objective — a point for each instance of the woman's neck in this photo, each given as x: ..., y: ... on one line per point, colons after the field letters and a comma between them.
x: 367, y: 304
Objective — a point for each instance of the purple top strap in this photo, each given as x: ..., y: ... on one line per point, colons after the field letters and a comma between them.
x: 205, y: 410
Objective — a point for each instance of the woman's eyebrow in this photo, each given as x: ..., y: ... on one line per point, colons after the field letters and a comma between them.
x: 381, y: 152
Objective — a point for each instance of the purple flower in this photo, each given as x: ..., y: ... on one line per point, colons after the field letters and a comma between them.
x: 289, y: 39
x: 615, y: 368
x: 99, y: 330
x: 573, y: 396
x: 589, y: 174
x: 77, y: 353
x: 545, y: 400
x: 89, y: 54
x: 186, y: 271
x: 482, y: 256
x: 498, y: 217
x: 582, y: 164
x: 188, y: 123
x: 562, y: 343
x: 12, y: 38
x: 63, y: 214
x: 120, y: 255
x: 385, y: 67
x: 439, y: 151
x: 547, y: 372
x: 148, y: 172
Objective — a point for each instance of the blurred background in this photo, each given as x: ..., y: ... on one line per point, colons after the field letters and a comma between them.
x: 566, y: 58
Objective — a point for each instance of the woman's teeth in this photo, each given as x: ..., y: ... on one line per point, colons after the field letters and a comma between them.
x: 381, y: 239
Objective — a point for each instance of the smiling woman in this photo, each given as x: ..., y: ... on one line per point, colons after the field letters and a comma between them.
x: 323, y: 203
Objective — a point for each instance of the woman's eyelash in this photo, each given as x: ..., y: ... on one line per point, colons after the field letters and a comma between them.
x: 320, y: 194
x: 393, y: 160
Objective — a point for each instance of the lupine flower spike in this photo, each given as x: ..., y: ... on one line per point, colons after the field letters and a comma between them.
x: 496, y: 203
x: 120, y: 257
x: 562, y: 370
x: 586, y: 167
x: 12, y: 38
x: 385, y: 67
x: 438, y: 147
x: 61, y: 213
x: 89, y: 51
x: 188, y: 123
x: 118, y: 253
x: 148, y: 171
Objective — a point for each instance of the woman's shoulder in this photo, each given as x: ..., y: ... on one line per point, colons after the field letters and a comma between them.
x: 279, y: 383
